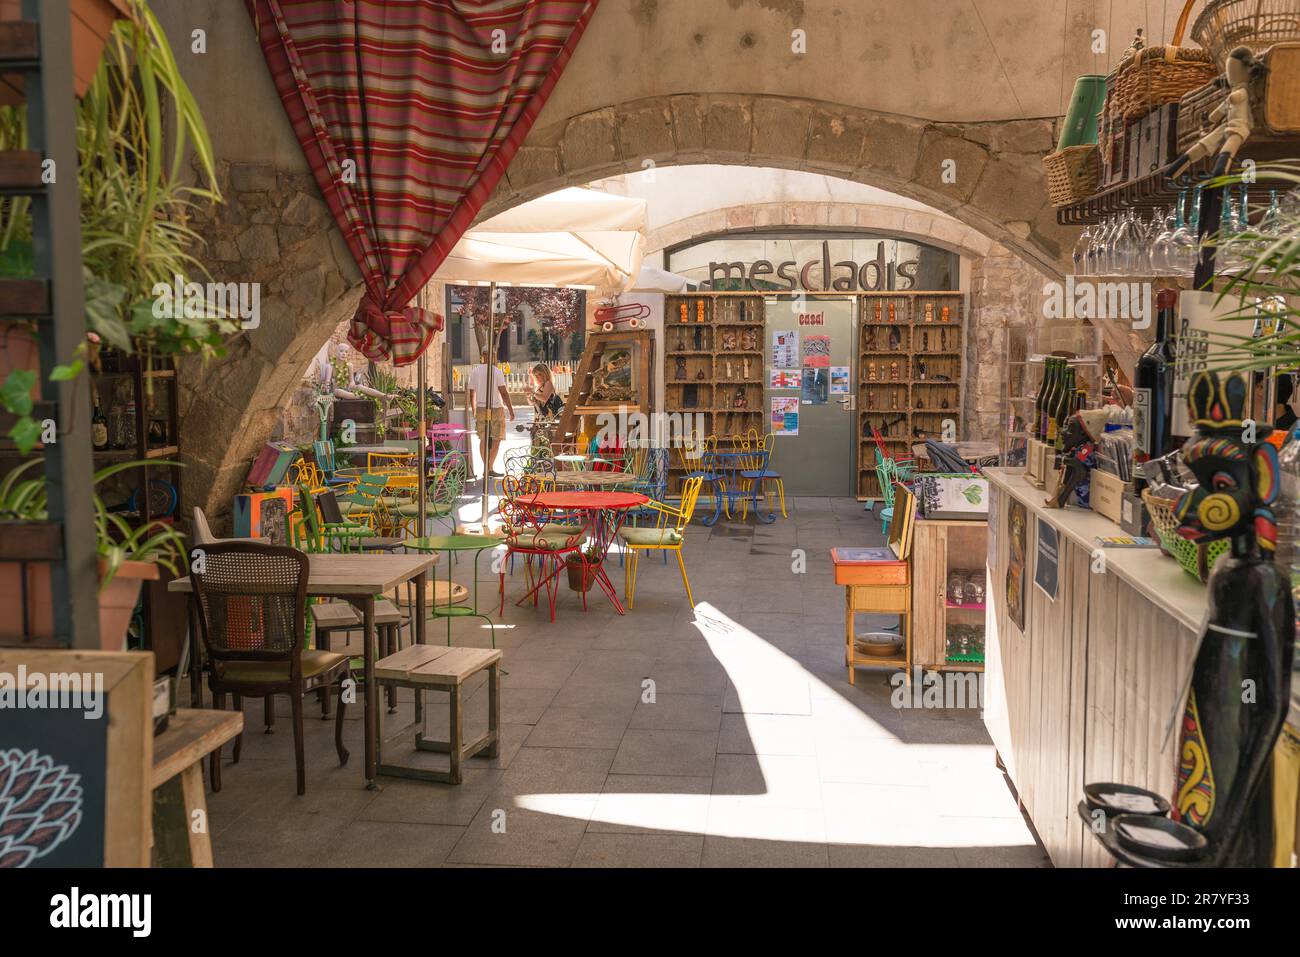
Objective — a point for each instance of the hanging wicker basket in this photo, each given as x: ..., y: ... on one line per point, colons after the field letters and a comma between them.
x: 1154, y: 76
x: 1072, y: 174
x: 1225, y: 25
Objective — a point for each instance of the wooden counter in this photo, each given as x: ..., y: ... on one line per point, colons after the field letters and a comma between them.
x: 1084, y: 692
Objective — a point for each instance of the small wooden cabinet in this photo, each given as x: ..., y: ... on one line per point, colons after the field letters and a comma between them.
x: 940, y: 548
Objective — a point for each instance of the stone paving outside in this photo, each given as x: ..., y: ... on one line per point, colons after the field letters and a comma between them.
x: 755, y: 750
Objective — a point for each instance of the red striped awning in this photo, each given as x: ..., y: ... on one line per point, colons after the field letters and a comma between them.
x: 408, y: 112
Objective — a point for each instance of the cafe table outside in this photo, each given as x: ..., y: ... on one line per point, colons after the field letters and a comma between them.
x: 603, y: 514
x: 356, y: 578
x: 466, y: 542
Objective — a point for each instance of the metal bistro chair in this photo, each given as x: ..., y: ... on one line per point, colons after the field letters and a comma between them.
x: 757, y: 473
x: 527, y: 533
x: 251, y: 602
x: 697, y: 458
x: 668, y: 534
x: 886, y: 475
x: 323, y: 450
x: 442, y: 496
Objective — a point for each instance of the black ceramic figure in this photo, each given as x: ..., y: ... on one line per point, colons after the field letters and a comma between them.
x: 1078, y: 455
x: 1239, y: 688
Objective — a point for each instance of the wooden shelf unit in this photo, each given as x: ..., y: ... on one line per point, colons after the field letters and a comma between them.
x: 153, y: 394
x: 899, y: 356
x: 941, y: 547
x: 721, y: 350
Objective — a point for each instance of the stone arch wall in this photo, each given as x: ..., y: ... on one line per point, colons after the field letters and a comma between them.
x: 918, y: 224
x: 997, y: 184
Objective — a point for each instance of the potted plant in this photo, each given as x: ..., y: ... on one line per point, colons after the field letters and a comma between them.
x: 135, y: 203
x: 578, y: 566
x: 92, y: 21
x: 128, y: 556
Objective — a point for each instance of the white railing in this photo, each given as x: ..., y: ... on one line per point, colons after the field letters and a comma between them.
x: 517, y: 378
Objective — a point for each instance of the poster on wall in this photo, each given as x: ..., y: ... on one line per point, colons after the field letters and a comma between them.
x: 839, y: 380
x: 785, y: 415
x: 816, y: 352
x: 784, y: 379
x: 1047, y: 563
x: 1017, y: 535
x: 785, y: 349
x: 816, y: 387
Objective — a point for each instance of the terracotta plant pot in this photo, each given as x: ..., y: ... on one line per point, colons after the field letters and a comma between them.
x: 575, y: 577
x: 116, y: 602
x: 92, y: 20
x: 20, y: 352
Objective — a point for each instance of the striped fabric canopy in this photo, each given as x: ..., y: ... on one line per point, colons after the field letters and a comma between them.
x: 408, y: 112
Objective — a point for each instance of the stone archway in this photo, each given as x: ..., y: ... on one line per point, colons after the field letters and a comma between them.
x: 986, y: 175
x: 274, y: 229
x: 920, y: 225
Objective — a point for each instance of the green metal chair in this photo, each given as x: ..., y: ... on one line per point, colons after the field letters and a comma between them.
x: 887, y: 473
x: 442, y: 496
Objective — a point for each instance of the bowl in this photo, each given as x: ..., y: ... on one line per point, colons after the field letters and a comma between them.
x: 1159, y: 838
x: 1119, y: 799
x: 879, y: 644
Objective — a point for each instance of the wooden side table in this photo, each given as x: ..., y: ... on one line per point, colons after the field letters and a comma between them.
x: 180, y: 839
x: 880, y: 588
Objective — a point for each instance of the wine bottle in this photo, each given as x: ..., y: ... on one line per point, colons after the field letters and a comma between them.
x: 1153, y: 388
x: 98, y: 429
x: 1035, y: 425
x: 1061, y: 411
x: 1050, y: 377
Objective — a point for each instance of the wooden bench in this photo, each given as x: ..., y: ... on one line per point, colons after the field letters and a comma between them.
x: 439, y: 668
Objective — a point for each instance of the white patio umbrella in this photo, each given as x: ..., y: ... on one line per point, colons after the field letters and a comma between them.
x: 654, y: 279
x: 573, y: 237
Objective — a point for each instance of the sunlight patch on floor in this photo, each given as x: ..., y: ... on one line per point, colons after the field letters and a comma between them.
x: 796, y: 804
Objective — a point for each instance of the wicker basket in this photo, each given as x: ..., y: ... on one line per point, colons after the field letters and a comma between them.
x: 1256, y: 24
x: 1196, y: 559
x: 1155, y: 76
x: 1072, y: 174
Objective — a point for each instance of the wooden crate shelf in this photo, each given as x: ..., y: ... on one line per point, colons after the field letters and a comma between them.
x: 898, y: 359
x: 727, y: 348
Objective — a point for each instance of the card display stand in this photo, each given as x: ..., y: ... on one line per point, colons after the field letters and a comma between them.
x: 910, y: 349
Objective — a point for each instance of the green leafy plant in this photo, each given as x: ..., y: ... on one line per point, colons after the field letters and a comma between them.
x: 23, y: 499
x: 135, y: 126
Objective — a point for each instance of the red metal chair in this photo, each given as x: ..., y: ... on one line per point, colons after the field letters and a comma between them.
x: 531, y: 532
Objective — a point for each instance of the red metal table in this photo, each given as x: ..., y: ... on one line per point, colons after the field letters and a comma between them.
x: 603, y: 513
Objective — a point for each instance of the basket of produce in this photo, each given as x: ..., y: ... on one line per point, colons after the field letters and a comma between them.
x: 1149, y: 77
x: 1196, y: 559
x: 1257, y: 25
x: 1072, y: 174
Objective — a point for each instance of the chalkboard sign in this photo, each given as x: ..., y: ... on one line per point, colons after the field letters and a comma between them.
x: 76, y: 745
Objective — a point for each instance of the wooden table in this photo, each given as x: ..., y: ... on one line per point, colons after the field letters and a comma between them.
x: 177, y: 781
x: 357, y: 579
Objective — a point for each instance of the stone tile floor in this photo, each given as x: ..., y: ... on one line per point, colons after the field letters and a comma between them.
x: 723, y: 736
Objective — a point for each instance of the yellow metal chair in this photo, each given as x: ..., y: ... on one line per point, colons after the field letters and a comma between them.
x: 668, y: 534
x: 758, y: 468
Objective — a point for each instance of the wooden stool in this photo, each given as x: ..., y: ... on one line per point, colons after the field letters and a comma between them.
x: 340, y: 616
x: 438, y: 668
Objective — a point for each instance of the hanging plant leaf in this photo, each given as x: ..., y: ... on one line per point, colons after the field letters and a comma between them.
x: 16, y: 393
x: 17, y: 261
x: 103, y: 299
x: 26, y: 432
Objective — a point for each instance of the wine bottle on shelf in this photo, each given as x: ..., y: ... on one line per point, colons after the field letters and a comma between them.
x: 1035, y: 425
x: 98, y: 428
x: 1153, y: 389
x: 1065, y: 399
x: 1051, y: 375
